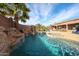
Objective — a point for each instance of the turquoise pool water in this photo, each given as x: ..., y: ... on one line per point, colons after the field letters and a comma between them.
x: 42, y: 45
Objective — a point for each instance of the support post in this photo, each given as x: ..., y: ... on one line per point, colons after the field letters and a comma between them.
x: 66, y: 26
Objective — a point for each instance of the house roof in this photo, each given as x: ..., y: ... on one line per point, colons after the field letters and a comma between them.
x: 68, y: 22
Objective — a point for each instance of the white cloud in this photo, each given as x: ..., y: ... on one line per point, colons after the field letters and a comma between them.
x: 66, y: 14
x: 45, y: 9
x: 31, y: 21
x: 36, y: 11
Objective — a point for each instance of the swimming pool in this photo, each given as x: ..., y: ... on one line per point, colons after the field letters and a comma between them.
x: 42, y: 45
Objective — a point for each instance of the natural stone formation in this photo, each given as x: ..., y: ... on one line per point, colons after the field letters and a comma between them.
x: 6, y: 22
x: 4, y: 43
x: 2, y: 28
x: 15, y: 37
x: 9, y: 36
x: 10, y: 40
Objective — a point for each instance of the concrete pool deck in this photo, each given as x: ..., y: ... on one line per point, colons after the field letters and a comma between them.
x: 64, y: 35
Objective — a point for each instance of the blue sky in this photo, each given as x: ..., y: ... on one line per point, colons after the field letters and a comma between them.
x: 50, y: 13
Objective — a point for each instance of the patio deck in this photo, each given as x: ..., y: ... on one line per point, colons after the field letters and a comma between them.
x: 65, y: 35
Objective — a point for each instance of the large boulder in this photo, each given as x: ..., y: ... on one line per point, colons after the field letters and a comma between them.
x: 15, y: 37
x: 6, y: 22
x: 4, y: 43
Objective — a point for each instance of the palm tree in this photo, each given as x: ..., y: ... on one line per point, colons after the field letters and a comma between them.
x: 4, y: 9
x: 20, y: 9
x: 17, y: 10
